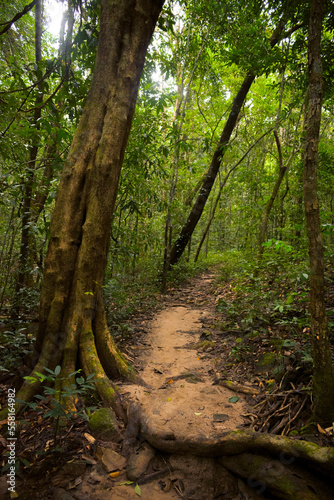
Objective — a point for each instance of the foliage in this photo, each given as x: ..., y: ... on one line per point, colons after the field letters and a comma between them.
x: 15, y: 345
x: 59, y: 393
x: 269, y: 307
x: 198, y: 58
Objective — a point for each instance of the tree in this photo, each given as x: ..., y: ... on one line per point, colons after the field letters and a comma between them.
x: 323, y: 377
x: 72, y: 317
x: 209, y: 179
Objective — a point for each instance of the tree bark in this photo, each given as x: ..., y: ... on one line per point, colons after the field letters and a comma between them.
x: 72, y: 318
x: 323, y: 378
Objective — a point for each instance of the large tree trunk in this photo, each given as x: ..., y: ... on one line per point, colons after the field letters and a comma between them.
x: 323, y: 380
x: 72, y: 317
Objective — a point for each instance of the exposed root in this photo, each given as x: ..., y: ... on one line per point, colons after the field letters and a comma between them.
x: 91, y: 364
x: 236, y: 387
x: 227, y: 443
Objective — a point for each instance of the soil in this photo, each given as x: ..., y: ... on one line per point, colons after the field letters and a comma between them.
x: 181, y: 357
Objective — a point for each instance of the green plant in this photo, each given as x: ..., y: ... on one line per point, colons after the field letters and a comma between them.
x: 60, y: 393
x: 240, y: 352
x: 14, y: 346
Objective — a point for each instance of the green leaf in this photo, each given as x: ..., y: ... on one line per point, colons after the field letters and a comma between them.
x: 233, y: 399
x: 41, y: 376
x: 48, y: 370
x: 289, y: 343
x: 138, y: 490
x: 289, y: 300
x: 125, y: 482
x: 57, y: 370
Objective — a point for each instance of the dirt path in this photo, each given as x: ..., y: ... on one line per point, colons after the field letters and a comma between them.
x: 173, y: 358
x: 181, y: 395
x: 180, y: 352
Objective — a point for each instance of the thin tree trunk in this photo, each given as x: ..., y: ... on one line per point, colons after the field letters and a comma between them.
x: 179, y: 117
x: 25, y: 265
x: 72, y: 316
x: 323, y: 378
x: 269, y: 206
x: 283, y: 168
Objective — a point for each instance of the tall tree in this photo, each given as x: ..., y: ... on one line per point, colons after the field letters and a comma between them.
x: 209, y: 179
x: 323, y: 377
x: 72, y: 317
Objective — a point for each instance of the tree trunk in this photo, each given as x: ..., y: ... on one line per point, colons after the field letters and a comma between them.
x: 25, y: 278
x: 269, y: 206
x: 218, y: 155
x: 323, y: 379
x: 72, y: 317
x: 210, y: 177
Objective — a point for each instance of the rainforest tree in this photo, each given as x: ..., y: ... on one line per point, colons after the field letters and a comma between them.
x: 323, y: 377
x: 72, y: 318
x: 259, y: 62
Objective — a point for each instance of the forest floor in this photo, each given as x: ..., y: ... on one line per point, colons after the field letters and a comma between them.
x: 192, y: 387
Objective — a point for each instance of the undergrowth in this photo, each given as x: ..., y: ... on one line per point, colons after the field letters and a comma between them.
x: 267, y: 304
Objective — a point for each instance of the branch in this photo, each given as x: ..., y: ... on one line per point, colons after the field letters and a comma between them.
x: 17, y: 16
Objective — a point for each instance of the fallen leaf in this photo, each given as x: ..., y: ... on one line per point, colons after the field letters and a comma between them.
x: 114, y: 474
x: 169, y: 399
x: 233, y: 399
x: 138, y: 490
x: 75, y: 483
x: 89, y: 438
x: 220, y: 417
x: 198, y: 413
x: 321, y: 430
x: 89, y: 459
x: 170, y: 381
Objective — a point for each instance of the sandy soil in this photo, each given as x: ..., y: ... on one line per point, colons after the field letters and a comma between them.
x: 181, y: 395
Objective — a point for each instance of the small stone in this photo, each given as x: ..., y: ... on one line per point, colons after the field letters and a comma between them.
x: 220, y: 417
x: 95, y: 477
x: 61, y: 494
x: 267, y: 361
x: 69, y: 472
x: 110, y: 460
x: 138, y: 462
